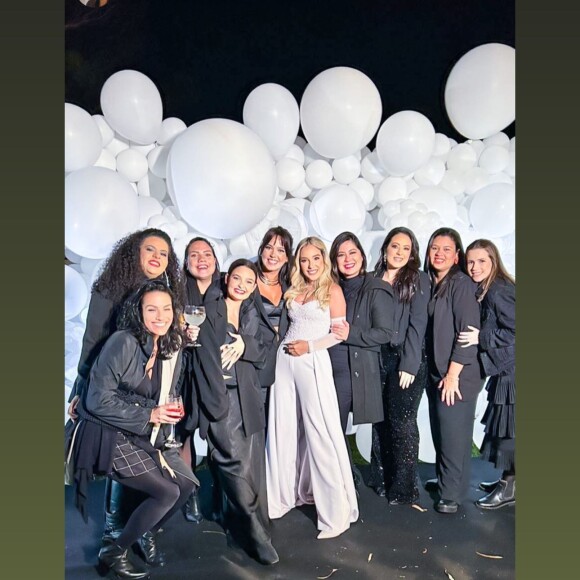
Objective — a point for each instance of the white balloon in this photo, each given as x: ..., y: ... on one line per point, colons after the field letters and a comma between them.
x: 462, y: 157
x: 340, y: 111
x: 438, y: 200
x: 290, y: 174
x: 271, y: 111
x: 453, y: 181
x: 500, y: 177
x: 442, y: 145
x: 143, y: 149
x: 301, y: 192
x: 82, y: 138
x: 170, y: 128
x: 100, y: 208
x: 157, y: 160
x: 310, y: 155
x: 412, y: 185
x: 371, y: 168
x: 391, y: 189
x: 337, y: 208
x: 148, y: 207
x: 132, y: 106
x: 118, y: 144
x: 492, y: 210
x: 223, y: 177
x: 431, y: 173
x: 480, y: 91
x: 318, y: 174
x: 132, y: 164
x: 494, y: 159
x: 364, y: 436
x: 295, y: 152
x: 346, y: 169
x: 75, y: 293
x: 292, y: 217
x: 475, y: 179
x: 500, y: 139
x: 107, y: 133
x: 511, y: 167
x: 477, y: 145
x: 426, y: 448
x: 405, y: 142
x: 512, y: 146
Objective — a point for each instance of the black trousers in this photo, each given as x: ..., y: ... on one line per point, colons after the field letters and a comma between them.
x: 452, y: 432
x: 395, y: 441
x: 238, y: 464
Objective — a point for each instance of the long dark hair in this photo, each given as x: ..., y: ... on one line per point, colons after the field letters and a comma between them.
x: 287, y: 241
x: 407, y: 279
x: 122, y: 272
x: 186, y: 272
x: 498, y: 270
x: 131, y: 319
x: 333, y: 254
x: 459, y: 267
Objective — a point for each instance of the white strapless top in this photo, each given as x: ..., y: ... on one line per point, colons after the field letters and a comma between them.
x: 307, y: 321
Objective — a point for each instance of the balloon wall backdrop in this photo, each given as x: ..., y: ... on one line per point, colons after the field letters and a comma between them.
x: 130, y: 168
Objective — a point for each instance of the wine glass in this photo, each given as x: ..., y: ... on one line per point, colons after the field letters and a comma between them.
x: 177, y: 402
x: 194, y: 316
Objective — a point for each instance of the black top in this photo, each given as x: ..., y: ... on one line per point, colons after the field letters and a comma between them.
x: 273, y: 312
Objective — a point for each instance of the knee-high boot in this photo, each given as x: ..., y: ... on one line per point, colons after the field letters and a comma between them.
x: 114, y: 516
x: 191, y: 509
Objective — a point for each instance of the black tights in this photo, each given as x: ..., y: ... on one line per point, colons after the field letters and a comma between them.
x: 164, y: 498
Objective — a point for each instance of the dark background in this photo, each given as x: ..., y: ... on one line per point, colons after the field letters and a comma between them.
x: 206, y: 57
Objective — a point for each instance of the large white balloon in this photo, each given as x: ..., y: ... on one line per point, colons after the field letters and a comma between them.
x: 340, y: 111
x: 82, y: 138
x: 100, y: 208
x: 480, y: 92
x: 492, y: 210
x: 132, y: 106
x: 405, y: 142
x: 75, y: 293
x: 272, y: 112
x: 223, y: 178
x: 335, y: 209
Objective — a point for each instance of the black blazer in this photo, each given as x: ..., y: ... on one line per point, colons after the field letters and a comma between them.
x: 270, y: 338
x: 410, y: 324
x: 370, y: 327
x: 449, y: 314
x: 497, y: 337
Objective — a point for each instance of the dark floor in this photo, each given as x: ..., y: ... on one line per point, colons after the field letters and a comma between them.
x: 387, y: 542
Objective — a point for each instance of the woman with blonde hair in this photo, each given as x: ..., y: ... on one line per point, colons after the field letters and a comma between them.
x: 307, y: 460
x: 497, y: 350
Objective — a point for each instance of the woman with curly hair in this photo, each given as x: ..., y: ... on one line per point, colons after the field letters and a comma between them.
x: 497, y: 350
x: 395, y: 441
x: 307, y: 460
x: 124, y: 421
x: 143, y: 255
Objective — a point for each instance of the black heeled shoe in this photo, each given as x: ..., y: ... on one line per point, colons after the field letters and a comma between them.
x: 503, y: 494
x: 266, y: 554
x: 148, y: 550
x: 113, y: 558
x: 191, y: 509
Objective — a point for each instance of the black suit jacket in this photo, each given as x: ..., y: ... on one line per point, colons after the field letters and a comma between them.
x: 451, y: 312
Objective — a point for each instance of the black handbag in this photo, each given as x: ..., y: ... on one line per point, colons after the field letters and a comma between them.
x: 70, y: 431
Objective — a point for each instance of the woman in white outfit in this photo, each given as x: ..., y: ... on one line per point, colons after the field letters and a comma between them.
x: 306, y: 457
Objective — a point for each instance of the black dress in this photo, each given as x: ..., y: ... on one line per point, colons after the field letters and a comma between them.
x: 395, y: 441
x: 497, y: 351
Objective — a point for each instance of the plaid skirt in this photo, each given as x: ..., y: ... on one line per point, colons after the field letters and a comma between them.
x: 130, y: 460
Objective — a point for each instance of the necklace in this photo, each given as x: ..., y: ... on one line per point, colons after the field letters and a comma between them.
x: 269, y: 282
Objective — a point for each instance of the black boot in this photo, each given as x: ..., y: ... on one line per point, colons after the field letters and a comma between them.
x: 266, y: 554
x: 147, y: 549
x: 191, y: 509
x: 114, y: 516
x: 116, y: 559
x: 503, y: 494
x: 488, y: 485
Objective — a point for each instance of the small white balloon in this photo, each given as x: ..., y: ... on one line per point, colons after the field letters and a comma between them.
x: 148, y: 207
x: 475, y: 179
x: 431, y: 173
x: 295, y: 152
x: 453, y: 181
x: 318, y: 174
x: 442, y: 145
x: 371, y: 168
x: 462, y: 157
x: 170, y: 128
x: 290, y: 174
x: 157, y: 160
x: 494, y: 158
x: 346, y: 169
x: 132, y: 164
x: 301, y: 192
x: 82, y: 138
x: 438, y: 200
x: 390, y: 189
x: 500, y: 139
x: 107, y: 133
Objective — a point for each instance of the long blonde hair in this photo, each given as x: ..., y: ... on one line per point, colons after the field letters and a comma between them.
x: 498, y: 270
x: 298, y: 282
